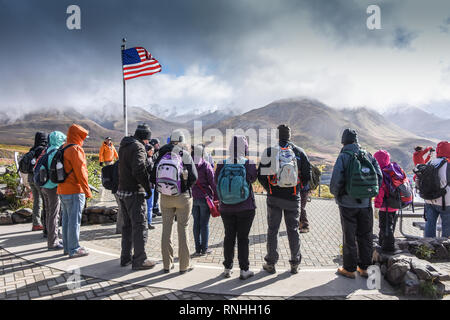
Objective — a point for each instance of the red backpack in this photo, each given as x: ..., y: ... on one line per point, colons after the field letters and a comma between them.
x: 399, y: 193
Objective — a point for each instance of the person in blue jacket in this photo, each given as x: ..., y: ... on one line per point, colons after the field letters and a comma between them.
x: 50, y: 197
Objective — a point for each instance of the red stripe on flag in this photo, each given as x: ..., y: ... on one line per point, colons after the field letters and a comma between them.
x: 140, y: 70
x: 141, y: 75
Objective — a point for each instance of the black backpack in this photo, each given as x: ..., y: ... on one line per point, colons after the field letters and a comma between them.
x: 110, y: 176
x: 26, y: 162
x: 57, y: 173
x: 429, y: 182
x: 41, y: 171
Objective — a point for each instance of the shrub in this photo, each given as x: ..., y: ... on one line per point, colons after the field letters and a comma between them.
x: 17, y: 195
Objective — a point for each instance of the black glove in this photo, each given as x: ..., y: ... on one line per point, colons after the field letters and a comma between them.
x: 101, y: 164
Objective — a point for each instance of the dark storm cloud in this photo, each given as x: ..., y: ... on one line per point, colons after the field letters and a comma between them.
x: 44, y: 61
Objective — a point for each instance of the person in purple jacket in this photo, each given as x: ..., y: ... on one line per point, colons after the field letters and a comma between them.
x: 204, y: 187
x: 238, y: 218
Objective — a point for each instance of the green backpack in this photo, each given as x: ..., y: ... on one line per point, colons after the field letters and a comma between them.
x: 361, y: 177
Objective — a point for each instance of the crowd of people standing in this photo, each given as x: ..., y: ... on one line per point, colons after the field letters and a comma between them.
x: 177, y: 181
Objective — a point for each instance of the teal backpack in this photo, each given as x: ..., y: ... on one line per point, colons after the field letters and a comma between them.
x: 361, y: 177
x: 232, y: 185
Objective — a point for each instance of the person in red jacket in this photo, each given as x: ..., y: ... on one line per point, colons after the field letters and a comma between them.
x: 420, y: 153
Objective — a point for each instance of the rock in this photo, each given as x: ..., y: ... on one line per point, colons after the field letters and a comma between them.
x: 405, y: 257
x: 411, y: 284
x: 441, y: 253
x: 396, y: 272
x: 25, y: 212
x: 6, y: 218
x: 402, y: 245
x: 440, y: 289
x: 383, y: 269
x: 111, y: 211
x: 446, y: 285
x: 95, y: 209
x: 18, y: 218
x: 95, y: 218
x: 419, y: 267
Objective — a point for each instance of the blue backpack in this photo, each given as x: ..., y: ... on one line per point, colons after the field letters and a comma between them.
x: 41, y: 173
x: 232, y: 185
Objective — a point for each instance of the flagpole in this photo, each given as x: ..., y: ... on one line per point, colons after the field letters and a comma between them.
x: 125, y: 113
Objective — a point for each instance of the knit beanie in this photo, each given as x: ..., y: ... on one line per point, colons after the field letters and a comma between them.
x: 143, y: 132
x: 349, y: 136
x: 284, y: 132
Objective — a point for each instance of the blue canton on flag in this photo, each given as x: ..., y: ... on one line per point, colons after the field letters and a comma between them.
x: 138, y: 62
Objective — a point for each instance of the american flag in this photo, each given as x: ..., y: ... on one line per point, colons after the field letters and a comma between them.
x: 138, y: 62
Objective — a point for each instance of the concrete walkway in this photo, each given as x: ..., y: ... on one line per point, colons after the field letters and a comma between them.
x: 205, y: 278
x: 317, y: 277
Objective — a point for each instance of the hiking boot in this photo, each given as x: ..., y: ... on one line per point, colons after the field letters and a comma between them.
x: 81, y: 252
x: 227, y: 273
x: 151, y: 227
x: 171, y: 268
x: 147, y: 264
x: 346, y: 273
x: 362, y: 272
x: 294, y: 268
x: 59, y: 246
x: 270, y: 268
x: 126, y: 263
x: 304, y: 230
x: 38, y: 227
x: 187, y: 270
x: 207, y: 251
x: 246, y: 274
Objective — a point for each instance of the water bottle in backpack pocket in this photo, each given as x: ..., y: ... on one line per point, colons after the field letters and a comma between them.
x: 232, y: 185
x: 57, y: 172
x: 168, y: 174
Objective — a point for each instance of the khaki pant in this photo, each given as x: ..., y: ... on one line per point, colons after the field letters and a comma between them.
x: 181, y: 207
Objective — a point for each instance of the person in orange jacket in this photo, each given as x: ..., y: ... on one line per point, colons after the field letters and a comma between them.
x: 107, y: 153
x: 420, y: 153
x: 74, y: 191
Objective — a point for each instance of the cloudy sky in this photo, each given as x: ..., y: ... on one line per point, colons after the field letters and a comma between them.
x: 238, y: 54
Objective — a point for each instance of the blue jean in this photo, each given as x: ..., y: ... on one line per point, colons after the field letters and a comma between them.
x: 201, y: 214
x: 72, y: 206
x: 150, y: 207
x: 432, y: 212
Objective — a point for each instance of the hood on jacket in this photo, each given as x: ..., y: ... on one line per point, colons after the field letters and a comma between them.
x: 57, y: 139
x: 383, y: 157
x: 443, y: 149
x: 238, y: 147
x: 40, y: 139
x: 76, y: 134
x: 126, y: 141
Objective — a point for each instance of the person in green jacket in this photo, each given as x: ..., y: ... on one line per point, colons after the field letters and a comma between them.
x: 51, y: 199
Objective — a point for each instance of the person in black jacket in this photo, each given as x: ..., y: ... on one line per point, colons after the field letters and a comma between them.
x: 177, y: 206
x: 40, y: 145
x: 356, y: 214
x: 134, y: 188
x: 283, y: 199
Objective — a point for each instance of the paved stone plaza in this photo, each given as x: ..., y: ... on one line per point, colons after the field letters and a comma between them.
x: 320, y: 247
x: 27, y: 274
